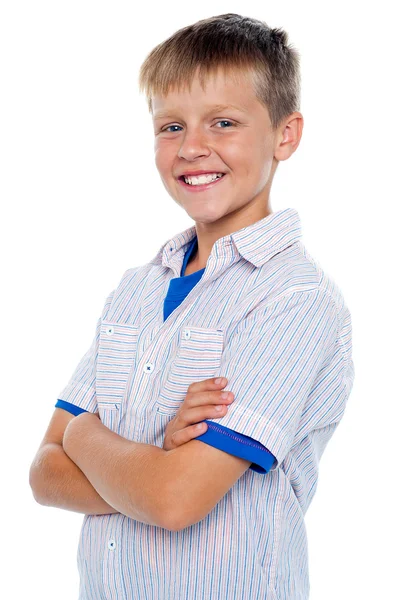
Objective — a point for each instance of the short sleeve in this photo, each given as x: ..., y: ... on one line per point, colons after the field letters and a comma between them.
x: 239, y: 445
x: 271, y: 363
x: 79, y: 394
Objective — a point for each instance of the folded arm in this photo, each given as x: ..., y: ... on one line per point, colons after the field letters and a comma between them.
x: 56, y: 480
x: 128, y: 475
x: 170, y: 489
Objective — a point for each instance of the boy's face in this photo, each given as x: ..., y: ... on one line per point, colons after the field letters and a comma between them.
x: 190, y: 135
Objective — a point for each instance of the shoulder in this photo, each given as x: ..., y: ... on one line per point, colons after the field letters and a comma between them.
x: 296, y: 270
x: 300, y: 274
x: 293, y: 280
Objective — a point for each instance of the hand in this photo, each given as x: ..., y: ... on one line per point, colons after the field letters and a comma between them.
x: 200, y: 403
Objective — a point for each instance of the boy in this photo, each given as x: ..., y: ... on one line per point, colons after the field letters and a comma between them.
x: 236, y: 295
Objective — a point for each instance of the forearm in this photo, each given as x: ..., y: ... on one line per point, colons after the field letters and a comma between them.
x: 57, y: 481
x: 130, y: 476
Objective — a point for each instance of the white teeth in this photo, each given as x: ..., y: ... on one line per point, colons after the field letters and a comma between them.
x: 201, y: 179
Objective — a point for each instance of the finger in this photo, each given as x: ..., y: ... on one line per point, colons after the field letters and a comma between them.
x: 188, y: 433
x: 194, y: 399
x: 207, y: 384
x: 189, y: 416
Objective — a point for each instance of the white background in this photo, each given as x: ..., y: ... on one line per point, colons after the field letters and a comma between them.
x: 82, y: 202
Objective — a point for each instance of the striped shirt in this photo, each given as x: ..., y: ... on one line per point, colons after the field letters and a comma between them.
x: 216, y: 435
x: 264, y: 315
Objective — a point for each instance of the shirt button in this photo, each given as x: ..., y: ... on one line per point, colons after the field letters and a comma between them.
x: 109, y: 330
x: 148, y: 367
x: 186, y: 334
x: 112, y: 544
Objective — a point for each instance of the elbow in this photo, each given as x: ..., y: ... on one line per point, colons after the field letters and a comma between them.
x: 37, y: 477
x: 176, y: 526
x: 183, y: 520
x: 184, y: 511
x: 164, y: 515
x: 169, y: 509
x: 170, y: 500
x: 179, y: 522
x: 34, y: 484
x: 166, y: 521
x: 176, y: 514
x: 171, y: 522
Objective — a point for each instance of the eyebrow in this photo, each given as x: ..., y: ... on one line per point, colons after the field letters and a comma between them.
x: 218, y: 107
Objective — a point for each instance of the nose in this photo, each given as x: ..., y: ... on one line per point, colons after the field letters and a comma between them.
x: 194, y: 144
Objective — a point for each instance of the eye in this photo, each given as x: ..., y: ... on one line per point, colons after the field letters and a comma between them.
x: 166, y: 128
x: 220, y: 121
x: 225, y: 121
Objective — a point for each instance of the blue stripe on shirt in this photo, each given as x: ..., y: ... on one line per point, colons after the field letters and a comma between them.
x: 75, y: 410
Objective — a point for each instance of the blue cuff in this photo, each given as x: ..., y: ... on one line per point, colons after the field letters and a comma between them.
x: 232, y: 442
x: 72, y: 408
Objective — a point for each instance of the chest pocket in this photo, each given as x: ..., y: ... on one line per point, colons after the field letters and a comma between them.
x: 116, y: 358
x: 198, y: 357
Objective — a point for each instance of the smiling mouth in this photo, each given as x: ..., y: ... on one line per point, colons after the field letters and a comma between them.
x: 200, y: 186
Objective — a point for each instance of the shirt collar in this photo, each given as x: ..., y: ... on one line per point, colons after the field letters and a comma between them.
x: 257, y: 242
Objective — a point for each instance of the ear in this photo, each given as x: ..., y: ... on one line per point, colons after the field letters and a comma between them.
x: 289, y: 136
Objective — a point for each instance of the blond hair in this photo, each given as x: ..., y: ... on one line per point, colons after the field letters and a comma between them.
x: 234, y: 43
